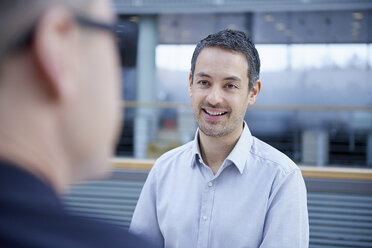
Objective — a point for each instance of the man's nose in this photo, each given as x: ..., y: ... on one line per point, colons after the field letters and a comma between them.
x: 215, y: 96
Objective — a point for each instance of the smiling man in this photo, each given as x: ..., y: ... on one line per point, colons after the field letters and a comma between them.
x: 225, y: 188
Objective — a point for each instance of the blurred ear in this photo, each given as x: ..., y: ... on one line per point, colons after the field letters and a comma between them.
x: 190, y: 84
x: 54, y: 51
x: 254, y: 92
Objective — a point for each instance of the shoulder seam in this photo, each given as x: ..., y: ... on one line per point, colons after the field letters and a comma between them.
x: 281, y: 166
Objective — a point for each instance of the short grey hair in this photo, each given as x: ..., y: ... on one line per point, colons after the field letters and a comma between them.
x: 18, y: 17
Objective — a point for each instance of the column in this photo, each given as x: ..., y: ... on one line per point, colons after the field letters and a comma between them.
x: 369, y: 149
x: 146, y: 118
x: 315, y: 147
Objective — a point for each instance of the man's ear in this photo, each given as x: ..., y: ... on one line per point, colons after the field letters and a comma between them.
x: 190, y: 84
x: 254, y: 92
x: 54, y: 52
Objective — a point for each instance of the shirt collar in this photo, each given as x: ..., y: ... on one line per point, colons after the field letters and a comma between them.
x: 238, y: 156
x: 196, y: 155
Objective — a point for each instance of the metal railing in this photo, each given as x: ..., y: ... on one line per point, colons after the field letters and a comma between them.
x: 345, y: 131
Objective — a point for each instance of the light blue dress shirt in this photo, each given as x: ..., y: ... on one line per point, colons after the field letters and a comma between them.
x: 256, y: 199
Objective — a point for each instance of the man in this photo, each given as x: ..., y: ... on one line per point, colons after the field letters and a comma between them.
x: 59, y: 118
x: 225, y: 188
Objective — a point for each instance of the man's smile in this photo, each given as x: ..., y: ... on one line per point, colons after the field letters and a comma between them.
x: 214, y: 113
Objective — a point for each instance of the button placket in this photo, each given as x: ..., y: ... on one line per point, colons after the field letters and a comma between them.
x: 205, y: 214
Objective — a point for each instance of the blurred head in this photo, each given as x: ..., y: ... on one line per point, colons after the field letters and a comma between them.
x: 236, y: 41
x: 63, y: 74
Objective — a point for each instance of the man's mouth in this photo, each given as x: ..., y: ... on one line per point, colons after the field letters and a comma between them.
x: 214, y: 113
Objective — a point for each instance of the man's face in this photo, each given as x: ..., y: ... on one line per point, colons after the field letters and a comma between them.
x: 96, y: 117
x: 219, y: 91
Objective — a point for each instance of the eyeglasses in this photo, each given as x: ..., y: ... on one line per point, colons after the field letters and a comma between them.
x: 120, y: 30
x: 113, y: 28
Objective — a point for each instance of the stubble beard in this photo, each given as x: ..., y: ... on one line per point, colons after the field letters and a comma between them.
x: 211, y: 132
x: 215, y: 129
x: 219, y: 128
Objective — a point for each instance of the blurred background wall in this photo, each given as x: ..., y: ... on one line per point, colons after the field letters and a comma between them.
x: 316, y: 98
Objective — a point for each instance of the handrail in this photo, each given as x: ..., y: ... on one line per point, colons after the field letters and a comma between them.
x: 276, y: 107
x: 336, y: 173
x: 132, y: 163
x: 307, y: 171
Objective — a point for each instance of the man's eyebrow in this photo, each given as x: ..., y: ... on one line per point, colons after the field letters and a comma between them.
x: 202, y: 74
x: 232, y: 78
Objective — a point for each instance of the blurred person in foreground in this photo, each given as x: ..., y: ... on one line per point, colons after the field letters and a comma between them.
x: 225, y: 188
x: 60, y: 114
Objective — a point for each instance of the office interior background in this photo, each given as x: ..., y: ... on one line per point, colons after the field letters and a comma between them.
x: 315, y: 103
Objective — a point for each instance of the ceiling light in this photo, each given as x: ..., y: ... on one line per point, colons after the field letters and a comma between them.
x: 357, y: 15
x: 280, y: 26
x: 269, y: 18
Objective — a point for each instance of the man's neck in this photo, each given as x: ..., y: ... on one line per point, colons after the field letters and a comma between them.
x: 32, y: 147
x: 34, y: 158
x: 28, y: 126
x: 214, y: 150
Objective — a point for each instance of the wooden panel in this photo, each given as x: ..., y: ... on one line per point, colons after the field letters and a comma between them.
x: 133, y: 164
x: 336, y: 173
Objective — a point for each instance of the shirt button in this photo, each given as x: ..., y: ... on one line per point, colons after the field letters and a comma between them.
x: 210, y: 184
x: 205, y: 218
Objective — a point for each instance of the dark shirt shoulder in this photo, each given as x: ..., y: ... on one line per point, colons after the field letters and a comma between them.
x: 32, y: 215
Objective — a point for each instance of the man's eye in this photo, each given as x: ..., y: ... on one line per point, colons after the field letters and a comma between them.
x: 203, y: 83
x: 230, y: 86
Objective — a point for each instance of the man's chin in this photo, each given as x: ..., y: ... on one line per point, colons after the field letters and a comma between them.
x: 212, y: 132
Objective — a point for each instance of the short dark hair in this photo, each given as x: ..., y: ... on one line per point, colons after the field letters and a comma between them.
x: 236, y: 41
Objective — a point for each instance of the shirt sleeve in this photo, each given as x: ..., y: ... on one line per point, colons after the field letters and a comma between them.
x: 144, y: 222
x: 286, y: 222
